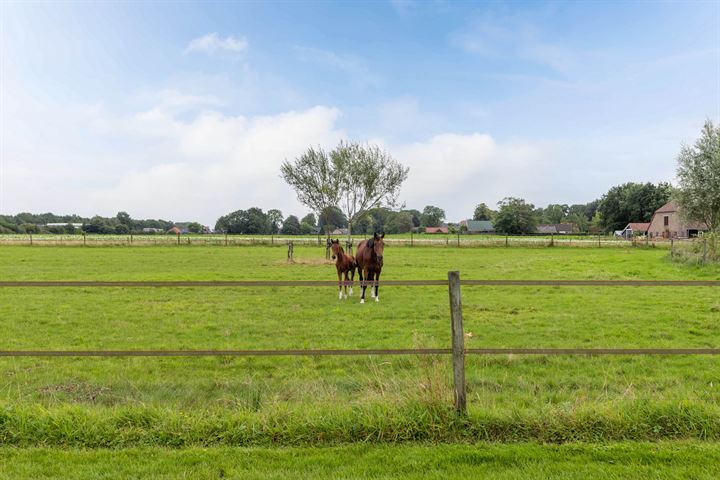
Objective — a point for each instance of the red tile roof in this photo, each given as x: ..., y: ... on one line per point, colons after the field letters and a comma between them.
x: 638, y: 227
x: 668, y: 208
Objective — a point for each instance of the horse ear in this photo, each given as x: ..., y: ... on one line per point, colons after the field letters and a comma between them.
x: 383, y: 235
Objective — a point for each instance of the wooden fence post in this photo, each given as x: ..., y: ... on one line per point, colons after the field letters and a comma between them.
x: 506, y: 240
x: 226, y: 239
x: 412, y: 241
x: 30, y: 239
x: 672, y: 248
x: 598, y: 240
x: 704, y: 251
x: 290, y: 251
x: 458, y: 342
x: 178, y: 238
x: 458, y: 234
x: 84, y: 240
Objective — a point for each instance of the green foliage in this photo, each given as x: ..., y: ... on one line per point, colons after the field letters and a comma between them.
x: 309, y: 219
x: 331, y: 218
x: 483, y: 212
x: 291, y: 226
x: 252, y: 221
x: 400, y: 222
x: 515, y: 217
x: 632, y: 202
x: 698, y: 176
x: 275, y: 219
x: 432, y: 216
x: 194, y: 227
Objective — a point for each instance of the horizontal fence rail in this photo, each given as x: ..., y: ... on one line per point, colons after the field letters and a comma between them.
x: 382, y: 283
x: 358, y: 352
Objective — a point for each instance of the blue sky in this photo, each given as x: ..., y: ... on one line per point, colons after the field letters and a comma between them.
x: 185, y: 111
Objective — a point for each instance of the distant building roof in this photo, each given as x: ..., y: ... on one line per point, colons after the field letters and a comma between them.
x: 637, y: 227
x: 477, y: 226
x: 547, y: 229
x: 436, y: 230
x: 566, y: 227
x: 175, y: 230
x: 668, y: 208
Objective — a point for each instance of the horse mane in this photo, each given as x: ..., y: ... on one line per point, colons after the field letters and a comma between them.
x: 371, y: 243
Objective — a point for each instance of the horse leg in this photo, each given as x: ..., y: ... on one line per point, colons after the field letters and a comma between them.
x: 377, y: 286
x: 352, y: 279
x: 345, y: 283
x: 372, y: 285
x: 339, y: 284
x: 363, y: 282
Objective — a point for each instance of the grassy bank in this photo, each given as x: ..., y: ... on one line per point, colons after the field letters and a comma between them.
x: 668, y: 460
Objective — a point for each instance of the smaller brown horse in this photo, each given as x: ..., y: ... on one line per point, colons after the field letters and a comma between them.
x: 369, y: 258
x: 345, y: 264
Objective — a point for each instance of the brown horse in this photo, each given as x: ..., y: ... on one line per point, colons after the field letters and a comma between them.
x: 344, y: 264
x: 369, y: 258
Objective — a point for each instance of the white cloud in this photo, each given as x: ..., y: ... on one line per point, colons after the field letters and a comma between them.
x: 212, y: 42
x: 457, y: 171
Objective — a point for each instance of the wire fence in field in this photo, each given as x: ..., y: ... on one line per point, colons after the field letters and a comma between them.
x: 421, y: 240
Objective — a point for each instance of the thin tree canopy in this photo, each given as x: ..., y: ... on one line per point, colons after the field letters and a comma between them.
x: 353, y: 177
x: 698, y: 176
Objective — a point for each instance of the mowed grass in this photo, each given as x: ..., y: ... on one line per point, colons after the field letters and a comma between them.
x: 317, y: 400
x: 669, y: 460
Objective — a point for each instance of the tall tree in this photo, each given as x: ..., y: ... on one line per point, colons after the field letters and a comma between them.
x: 698, y: 176
x: 291, y: 226
x: 432, y: 216
x: 515, y: 217
x: 275, y: 219
x: 309, y: 219
x: 353, y: 177
x: 483, y: 212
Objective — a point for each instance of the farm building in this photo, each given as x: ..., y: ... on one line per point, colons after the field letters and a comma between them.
x: 667, y: 222
x: 561, y: 228
x: 339, y: 231
x: 436, y: 230
x: 478, y: 226
x: 634, y: 229
x: 175, y: 230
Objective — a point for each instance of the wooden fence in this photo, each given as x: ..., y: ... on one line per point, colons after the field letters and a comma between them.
x: 458, y: 350
x: 423, y: 240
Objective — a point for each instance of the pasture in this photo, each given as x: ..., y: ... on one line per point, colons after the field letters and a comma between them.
x: 311, y: 401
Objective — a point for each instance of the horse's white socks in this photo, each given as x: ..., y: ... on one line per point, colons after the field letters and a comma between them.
x: 340, y: 295
x: 362, y: 300
x: 377, y: 299
x: 351, y: 291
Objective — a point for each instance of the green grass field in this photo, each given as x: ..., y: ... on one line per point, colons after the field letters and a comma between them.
x: 219, y: 403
